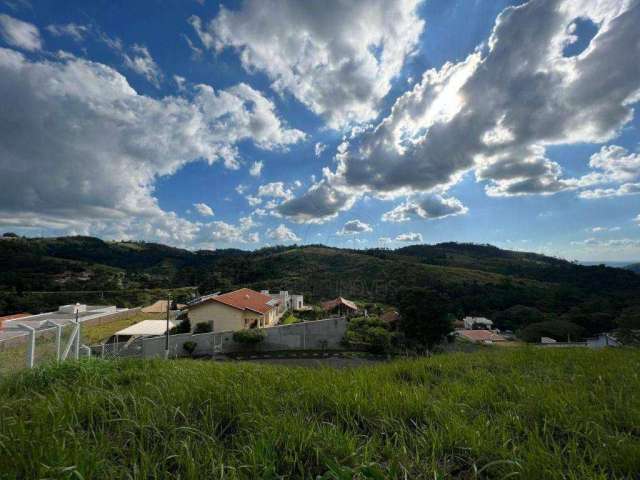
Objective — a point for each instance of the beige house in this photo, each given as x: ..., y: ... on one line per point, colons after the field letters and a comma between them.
x: 244, y: 308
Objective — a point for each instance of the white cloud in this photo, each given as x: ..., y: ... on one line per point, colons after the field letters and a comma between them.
x: 317, y: 205
x: 319, y: 148
x: 354, y: 227
x: 256, y: 169
x: 621, y: 191
x: 338, y: 58
x: 409, y: 237
x: 253, y: 201
x: 275, y: 190
x: 604, y: 229
x: 229, y: 234
x: 204, y: 209
x: 73, y: 30
x: 427, y: 207
x: 19, y: 34
x: 141, y: 62
x: 282, y: 234
x: 497, y: 111
x: 78, y: 146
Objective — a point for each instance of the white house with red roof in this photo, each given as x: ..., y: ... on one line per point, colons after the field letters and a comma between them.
x: 237, y: 310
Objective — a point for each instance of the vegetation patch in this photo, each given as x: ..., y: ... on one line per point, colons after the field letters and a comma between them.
x: 489, y: 414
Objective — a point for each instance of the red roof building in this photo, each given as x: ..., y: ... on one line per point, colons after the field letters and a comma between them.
x: 481, y: 336
x: 243, y: 308
x: 340, y: 305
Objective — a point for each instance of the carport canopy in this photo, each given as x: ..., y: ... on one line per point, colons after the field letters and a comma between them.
x: 147, y: 328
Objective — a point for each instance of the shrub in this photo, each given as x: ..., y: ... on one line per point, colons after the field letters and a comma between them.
x: 248, y: 337
x: 368, y: 333
x: 183, y: 327
x: 189, y: 347
x: 203, y: 327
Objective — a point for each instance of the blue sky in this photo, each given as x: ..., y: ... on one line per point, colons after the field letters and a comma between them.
x: 356, y: 124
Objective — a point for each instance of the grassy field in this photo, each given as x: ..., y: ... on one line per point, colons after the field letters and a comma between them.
x: 500, y: 413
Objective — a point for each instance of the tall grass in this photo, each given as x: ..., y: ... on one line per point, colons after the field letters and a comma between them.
x: 524, y: 413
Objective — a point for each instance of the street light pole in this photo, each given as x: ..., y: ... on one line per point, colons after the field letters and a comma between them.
x: 166, y: 342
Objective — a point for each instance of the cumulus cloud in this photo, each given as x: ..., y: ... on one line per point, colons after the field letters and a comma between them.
x: 426, y: 207
x: 256, y: 169
x: 72, y: 30
x: 319, y: 148
x: 317, y: 205
x: 227, y: 233
x: 282, y: 234
x: 204, y: 209
x: 141, y: 62
x: 275, y: 190
x: 79, y: 145
x: 19, y: 34
x: 339, y: 58
x: 354, y: 227
x: 621, y: 191
x: 497, y: 111
x: 623, y: 243
x: 409, y: 237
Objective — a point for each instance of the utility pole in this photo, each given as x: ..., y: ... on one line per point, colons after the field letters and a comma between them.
x: 166, y: 343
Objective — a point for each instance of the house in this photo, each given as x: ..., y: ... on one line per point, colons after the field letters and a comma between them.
x: 340, y: 305
x: 237, y: 310
x: 287, y: 301
x: 481, y: 336
x: 477, y: 323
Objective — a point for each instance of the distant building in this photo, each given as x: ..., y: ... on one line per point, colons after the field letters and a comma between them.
x: 297, y: 302
x: 547, y: 340
x: 603, y: 340
x: 340, y: 305
x: 237, y: 310
x: 481, y: 336
x: 477, y: 323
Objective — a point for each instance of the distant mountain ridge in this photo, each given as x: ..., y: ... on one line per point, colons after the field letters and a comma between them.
x: 478, y: 279
x: 634, y: 267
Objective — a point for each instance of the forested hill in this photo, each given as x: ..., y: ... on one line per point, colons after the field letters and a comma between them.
x: 477, y: 279
x: 635, y: 267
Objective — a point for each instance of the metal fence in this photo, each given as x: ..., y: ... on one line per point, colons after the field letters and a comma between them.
x: 29, y: 347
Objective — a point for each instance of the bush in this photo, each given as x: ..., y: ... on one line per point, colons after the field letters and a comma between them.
x: 203, y: 327
x: 183, y: 327
x: 289, y: 318
x: 189, y: 347
x: 248, y: 337
x: 368, y: 333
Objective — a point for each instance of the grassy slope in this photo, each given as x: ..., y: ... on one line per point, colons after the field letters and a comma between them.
x: 541, y: 413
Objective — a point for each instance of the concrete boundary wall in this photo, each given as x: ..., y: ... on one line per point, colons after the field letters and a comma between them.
x: 318, y: 334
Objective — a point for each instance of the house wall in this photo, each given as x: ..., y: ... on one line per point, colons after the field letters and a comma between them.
x: 223, y: 317
x: 226, y: 318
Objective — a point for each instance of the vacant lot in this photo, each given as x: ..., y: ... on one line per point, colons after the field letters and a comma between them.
x: 529, y: 412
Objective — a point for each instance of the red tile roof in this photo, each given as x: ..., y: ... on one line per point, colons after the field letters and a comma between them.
x: 481, y: 335
x: 243, y: 299
x: 331, y: 304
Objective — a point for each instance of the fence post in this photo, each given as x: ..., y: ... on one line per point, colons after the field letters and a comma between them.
x: 31, y: 346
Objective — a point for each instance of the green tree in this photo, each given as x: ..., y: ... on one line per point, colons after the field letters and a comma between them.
x: 559, y: 330
x: 628, y: 323
x: 424, y: 315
